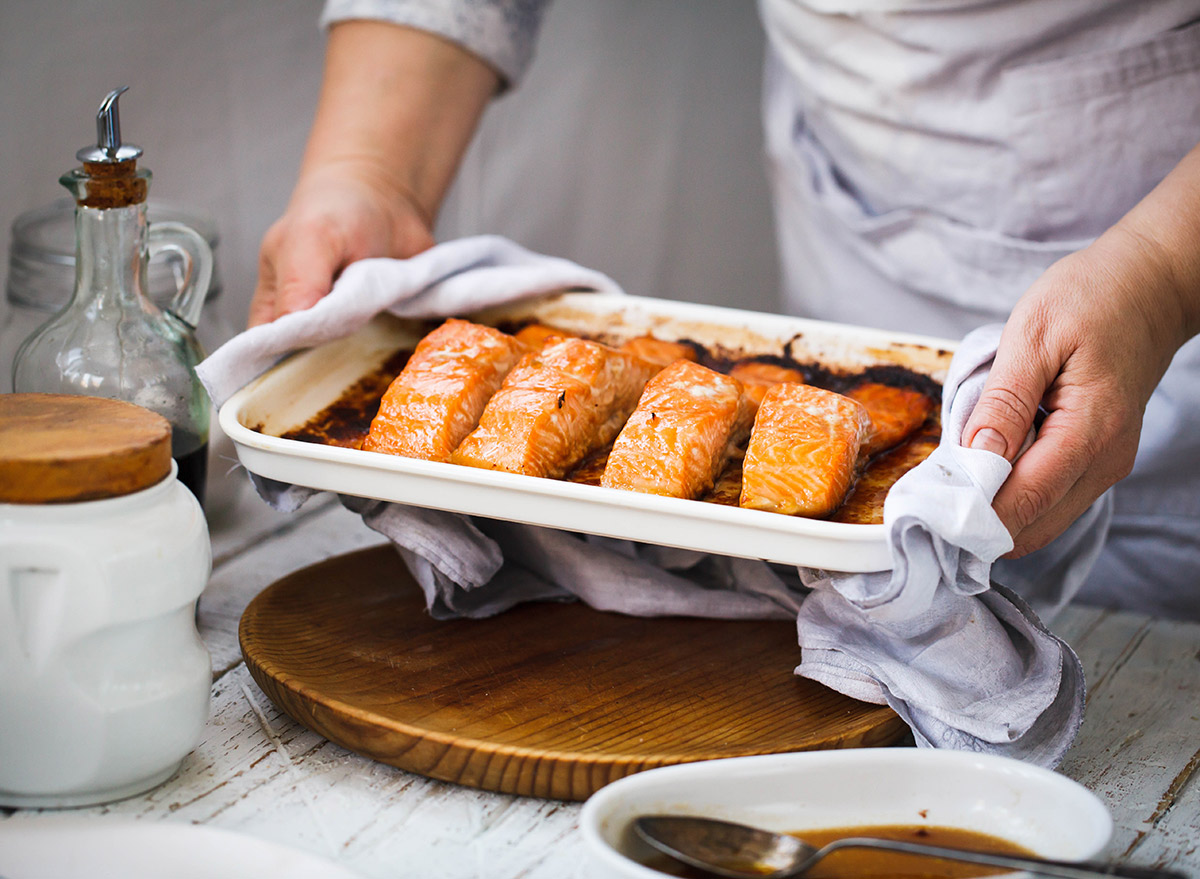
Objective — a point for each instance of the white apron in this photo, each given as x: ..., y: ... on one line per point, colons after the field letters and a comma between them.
x: 931, y: 158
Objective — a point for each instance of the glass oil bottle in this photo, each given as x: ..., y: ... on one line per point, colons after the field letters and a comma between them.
x: 112, y: 340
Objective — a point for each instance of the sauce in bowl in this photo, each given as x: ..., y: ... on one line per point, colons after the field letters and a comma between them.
x: 865, y: 863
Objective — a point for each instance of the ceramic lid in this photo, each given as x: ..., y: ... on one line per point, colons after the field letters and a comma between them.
x: 57, y: 448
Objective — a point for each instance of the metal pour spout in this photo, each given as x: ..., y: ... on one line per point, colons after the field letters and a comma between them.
x: 108, y: 148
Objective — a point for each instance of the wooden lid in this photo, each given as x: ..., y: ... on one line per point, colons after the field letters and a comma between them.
x: 56, y: 448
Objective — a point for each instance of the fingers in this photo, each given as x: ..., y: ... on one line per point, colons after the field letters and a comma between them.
x: 1042, y: 476
x: 1009, y: 403
x: 1055, y: 481
x: 333, y: 220
x: 297, y: 265
x: 262, y: 306
x: 304, y: 270
x: 1058, y: 518
x: 1078, y: 451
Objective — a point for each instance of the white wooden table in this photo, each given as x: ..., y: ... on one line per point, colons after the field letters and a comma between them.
x: 258, y: 772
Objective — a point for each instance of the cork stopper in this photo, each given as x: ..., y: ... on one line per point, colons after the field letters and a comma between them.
x: 109, y: 177
x: 58, y: 448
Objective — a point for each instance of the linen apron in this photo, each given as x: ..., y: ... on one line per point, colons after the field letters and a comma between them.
x: 931, y: 158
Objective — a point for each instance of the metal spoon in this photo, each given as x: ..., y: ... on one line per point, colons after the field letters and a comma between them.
x: 740, y: 852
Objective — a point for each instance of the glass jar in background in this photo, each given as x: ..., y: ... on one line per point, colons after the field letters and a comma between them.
x: 40, y: 281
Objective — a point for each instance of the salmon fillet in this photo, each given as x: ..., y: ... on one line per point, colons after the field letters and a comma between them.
x: 660, y: 352
x: 557, y: 406
x: 758, y: 377
x: 534, y: 336
x: 437, y: 398
x: 677, y: 439
x: 895, y: 413
x: 803, y: 451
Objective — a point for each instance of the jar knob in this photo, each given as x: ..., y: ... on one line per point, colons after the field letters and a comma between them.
x: 108, y: 146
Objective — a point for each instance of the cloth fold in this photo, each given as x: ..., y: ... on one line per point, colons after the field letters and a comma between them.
x: 964, y: 661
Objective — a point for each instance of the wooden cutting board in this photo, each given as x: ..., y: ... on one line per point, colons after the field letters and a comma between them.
x: 548, y: 699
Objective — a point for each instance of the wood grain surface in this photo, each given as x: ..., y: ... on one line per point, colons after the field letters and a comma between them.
x: 257, y: 771
x: 550, y: 700
x: 56, y: 448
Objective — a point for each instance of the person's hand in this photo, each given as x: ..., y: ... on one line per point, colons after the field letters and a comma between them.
x: 1088, y: 342
x: 397, y: 110
x: 337, y: 214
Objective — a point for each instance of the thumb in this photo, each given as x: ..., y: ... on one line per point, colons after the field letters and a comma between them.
x: 1005, y: 413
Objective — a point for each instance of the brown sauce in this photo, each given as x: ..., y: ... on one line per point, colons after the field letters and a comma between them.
x: 862, y: 863
x: 863, y: 504
x: 346, y: 423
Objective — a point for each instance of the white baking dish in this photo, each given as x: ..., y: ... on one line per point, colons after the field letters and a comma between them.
x: 293, y: 392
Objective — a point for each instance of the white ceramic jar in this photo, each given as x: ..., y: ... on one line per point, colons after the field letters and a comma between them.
x: 104, y: 682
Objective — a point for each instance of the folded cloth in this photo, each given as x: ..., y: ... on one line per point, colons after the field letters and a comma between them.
x: 963, y: 660
x: 967, y: 665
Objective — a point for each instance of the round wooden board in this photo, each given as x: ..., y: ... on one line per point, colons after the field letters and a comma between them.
x: 548, y: 699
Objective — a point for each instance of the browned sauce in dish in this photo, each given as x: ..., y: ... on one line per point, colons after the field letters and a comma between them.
x: 863, y: 504
x: 346, y: 423
x: 864, y: 863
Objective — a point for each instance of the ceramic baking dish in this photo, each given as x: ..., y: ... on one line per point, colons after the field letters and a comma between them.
x: 291, y: 393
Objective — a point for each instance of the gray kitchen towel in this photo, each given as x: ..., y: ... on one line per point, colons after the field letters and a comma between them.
x: 962, y: 659
x: 966, y: 663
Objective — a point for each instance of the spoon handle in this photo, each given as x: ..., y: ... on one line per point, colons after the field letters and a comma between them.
x: 1040, y: 866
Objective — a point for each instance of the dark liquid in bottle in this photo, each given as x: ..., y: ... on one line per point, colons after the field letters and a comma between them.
x: 193, y: 470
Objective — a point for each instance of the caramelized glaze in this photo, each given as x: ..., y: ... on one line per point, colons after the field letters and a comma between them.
x: 346, y: 423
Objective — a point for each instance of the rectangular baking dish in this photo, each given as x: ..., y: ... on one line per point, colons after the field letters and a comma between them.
x: 291, y: 393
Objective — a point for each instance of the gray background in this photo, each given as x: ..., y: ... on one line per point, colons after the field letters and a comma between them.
x: 633, y: 147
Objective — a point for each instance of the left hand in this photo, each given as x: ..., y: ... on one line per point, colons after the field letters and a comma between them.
x: 1088, y: 342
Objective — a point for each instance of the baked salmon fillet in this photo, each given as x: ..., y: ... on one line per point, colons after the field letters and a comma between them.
x: 895, y: 413
x: 437, y: 398
x: 758, y: 377
x: 660, y: 352
x: 556, y: 407
x: 679, y: 436
x: 534, y: 336
x: 803, y: 451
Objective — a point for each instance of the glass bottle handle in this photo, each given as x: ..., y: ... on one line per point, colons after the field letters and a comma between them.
x: 197, y: 258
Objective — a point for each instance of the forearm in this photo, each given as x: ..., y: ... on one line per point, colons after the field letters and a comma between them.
x: 399, y: 106
x: 1160, y: 241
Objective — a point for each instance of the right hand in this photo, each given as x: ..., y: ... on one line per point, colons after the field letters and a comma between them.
x: 338, y: 214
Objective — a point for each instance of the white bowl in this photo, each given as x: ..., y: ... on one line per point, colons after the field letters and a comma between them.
x: 53, y: 846
x: 1041, y: 810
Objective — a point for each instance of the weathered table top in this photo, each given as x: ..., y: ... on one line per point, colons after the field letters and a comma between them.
x: 258, y: 772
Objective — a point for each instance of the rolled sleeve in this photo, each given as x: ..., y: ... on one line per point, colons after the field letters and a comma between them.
x: 501, y: 32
